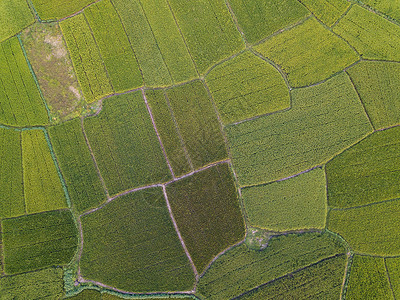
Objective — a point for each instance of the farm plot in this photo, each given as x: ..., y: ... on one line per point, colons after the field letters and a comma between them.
x: 20, y: 100
x: 125, y: 144
x: 115, y: 49
x: 58, y: 9
x: 388, y: 7
x: 15, y: 15
x: 12, y: 201
x: 292, y: 204
x: 198, y: 124
x: 328, y: 11
x: 319, y: 281
x: 367, y: 172
x: 371, y: 229
x: 47, y: 52
x: 207, y: 211
x: 86, y: 58
x: 169, y: 132
x: 323, y: 120
x: 247, y: 86
x: 42, y: 185
x: 308, y: 53
x: 37, y: 241
x: 209, y: 30
x: 46, y: 283
x: 393, y: 272
x: 368, y: 279
x: 77, y: 166
x: 131, y: 244
x: 259, y: 19
x: 379, y: 88
x: 370, y: 34
x: 242, y: 269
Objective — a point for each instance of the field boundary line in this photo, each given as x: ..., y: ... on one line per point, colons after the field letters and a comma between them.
x: 346, y: 276
x: 380, y: 60
x: 75, y: 13
x: 364, y: 205
x: 235, y: 20
x: 220, y: 62
x: 390, y: 281
x: 375, y: 11
x: 343, y: 15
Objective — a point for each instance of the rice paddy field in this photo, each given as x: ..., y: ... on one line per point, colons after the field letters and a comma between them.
x: 208, y: 149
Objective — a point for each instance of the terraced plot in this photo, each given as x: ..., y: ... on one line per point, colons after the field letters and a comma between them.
x: 37, y: 241
x: 323, y: 120
x: 328, y: 11
x: 131, y: 244
x: 58, y: 9
x: 15, y: 15
x: 308, y: 53
x: 247, y: 86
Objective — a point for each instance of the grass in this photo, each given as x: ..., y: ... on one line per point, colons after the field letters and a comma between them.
x: 12, y: 202
x: 15, y: 15
x: 367, y: 172
x: 308, y: 53
x: 388, y: 7
x: 323, y: 121
x: 207, y: 211
x: 320, y: 281
x: 198, y: 123
x: 292, y: 204
x: 259, y: 19
x: 241, y: 269
x: 115, y: 49
x: 125, y: 144
x: 247, y: 86
x: 328, y: 11
x: 58, y: 9
x: 22, y: 104
x: 38, y: 241
x: 379, y: 89
x: 46, y: 283
x: 86, y: 59
x: 169, y: 132
x: 370, y: 229
x: 393, y: 270
x: 371, y: 35
x: 209, y: 30
x: 42, y: 186
x: 77, y: 166
x: 368, y: 279
x: 131, y: 244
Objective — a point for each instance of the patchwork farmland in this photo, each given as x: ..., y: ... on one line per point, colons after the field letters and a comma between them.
x: 208, y: 149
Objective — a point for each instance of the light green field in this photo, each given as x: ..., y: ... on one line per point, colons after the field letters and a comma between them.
x: 246, y: 86
x: 292, y: 204
x: 115, y: 49
x: 86, y: 59
x: 323, y: 120
x: 388, y: 7
x: 15, y: 15
x: 379, y: 89
x: 57, y: 9
x: 209, y: 30
x: 328, y: 11
x: 366, y: 173
x: 20, y: 101
x: 42, y: 186
x: 308, y: 53
x: 393, y: 270
x: 371, y: 35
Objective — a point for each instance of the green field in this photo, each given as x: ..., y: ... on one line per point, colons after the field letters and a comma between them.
x: 292, y: 204
x: 393, y: 272
x: 379, y: 88
x: 115, y: 49
x: 197, y: 122
x: 308, y: 53
x: 15, y: 15
x: 209, y: 30
x: 131, y: 244
x: 388, y: 7
x: 21, y: 104
x: 371, y: 35
x: 371, y: 229
x: 328, y: 11
x: 88, y: 64
x: 207, y: 211
x: 42, y: 186
x: 259, y: 19
x: 76, y: 164
x: 319, y: 281
x: 367, y: 172
x: 247, y: 86
x: 323, y: 120
x: 368, y: 279
x: 43, y: 284
x: 58, y: 9
x: 241, y: 269
x: 12, y: 202
x: 37, y: 241
x: 125, y: 144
